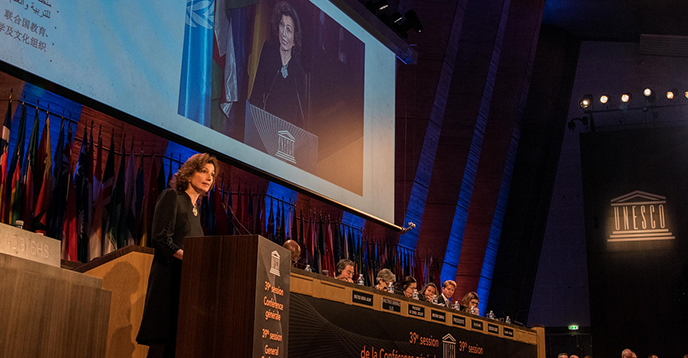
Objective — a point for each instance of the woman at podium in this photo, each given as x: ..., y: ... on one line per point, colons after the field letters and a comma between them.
x: 279, y: 87
x: 176, y: 216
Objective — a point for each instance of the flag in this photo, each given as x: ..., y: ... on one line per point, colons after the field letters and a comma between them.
x: 84, y: 170
x: 128, y: 218
x: 28, y: 171
x: 271, y: 224
x: 169, y: 175
x: 115, y: 234
x: 195, y: 89
x: 278, y: 224
x: 4, y: 148
x: 149, y: 202
x: 162, y: 182
x: 40, y: 223
x: 108, y: 245
x: 14, y: 187
x: 69, y: 228
x: 220, y: 213
x: 60, y: 196
x: 249, y: 217
x: 95, y: 242
x: 229, y: 217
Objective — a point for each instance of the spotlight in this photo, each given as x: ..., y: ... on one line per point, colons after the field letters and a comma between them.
x: 649, y: 96
x: 391, y: 20
x: 377, y: 6
x: 626, y: 97
x: 671, y: 94
x: 412, y: 22
x: 586, y: 102
x: 685, y: 94
x: 604, y: 99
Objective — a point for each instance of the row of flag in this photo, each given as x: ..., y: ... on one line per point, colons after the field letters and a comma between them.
x: 96, y: 209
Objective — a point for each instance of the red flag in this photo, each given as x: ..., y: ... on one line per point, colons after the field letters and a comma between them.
x: 4, y: 148
x: 14, y: 187
x: 40, y: 223
x: 329, y: 248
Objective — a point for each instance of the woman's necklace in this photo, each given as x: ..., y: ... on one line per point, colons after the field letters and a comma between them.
x: 195, y: 210
x: 285, y: 73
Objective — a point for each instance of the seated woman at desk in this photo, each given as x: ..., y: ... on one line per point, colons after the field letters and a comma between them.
x: 384, y: 278
x: 470, y: 302
x: 405, y: 287
x: 428, y: 292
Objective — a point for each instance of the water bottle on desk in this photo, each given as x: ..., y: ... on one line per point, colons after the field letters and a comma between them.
x: 361, y: 281
x: 457, y: 305
x: 434, y: 300
x: 390, y: 288
x: 415, y: 294
x: 508, y: 320
x: 473, y: 310
x: 491, y: 315
x: 308, y: 268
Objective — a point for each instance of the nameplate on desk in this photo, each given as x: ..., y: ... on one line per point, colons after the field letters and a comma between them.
x: 508, y: 332
x: 459, y: 321
x: 438, y: 316
x: 418, y: 311
x: 362, y: 298
x: 28, y: 245
x: 389, y: 304
x: 493, y: 328
x: 477, y: 325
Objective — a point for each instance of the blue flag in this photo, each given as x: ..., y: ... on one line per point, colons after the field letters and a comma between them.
x: 195, y: 86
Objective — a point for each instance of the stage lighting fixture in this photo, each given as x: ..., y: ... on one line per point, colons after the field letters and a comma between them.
x: 377, y: 6
x: 411, y: 22
x: 604, y: 99
x: 685, y: 94
x: 391, y: 20
x: 572, y: 123
x: 671, y: 94
x: 650, y: 97
x: 626, y: 97
x: 586, y: 102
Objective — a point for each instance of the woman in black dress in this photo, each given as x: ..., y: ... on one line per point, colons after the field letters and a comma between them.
x: 280, y: 84
x: 176, y: 216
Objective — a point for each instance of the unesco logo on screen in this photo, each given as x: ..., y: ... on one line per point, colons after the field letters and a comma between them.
x: 640, y: 216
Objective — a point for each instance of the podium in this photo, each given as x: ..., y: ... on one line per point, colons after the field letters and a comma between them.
x: 234, y: 298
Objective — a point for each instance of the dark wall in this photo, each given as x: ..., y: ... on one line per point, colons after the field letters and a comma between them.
x: 637, y: 288
x: 535, y: 168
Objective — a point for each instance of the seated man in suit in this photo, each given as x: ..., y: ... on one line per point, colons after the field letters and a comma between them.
x: 448, y: 288
x: 345, y: 270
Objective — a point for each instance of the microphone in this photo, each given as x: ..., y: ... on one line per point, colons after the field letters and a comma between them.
x: 236, y: 221
x: 408, y: 228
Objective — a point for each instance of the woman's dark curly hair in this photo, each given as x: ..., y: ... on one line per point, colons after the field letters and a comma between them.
x: 285, y: 9
x: 194, y: 164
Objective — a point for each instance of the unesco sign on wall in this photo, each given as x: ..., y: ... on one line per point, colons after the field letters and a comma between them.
x: 640, y: 216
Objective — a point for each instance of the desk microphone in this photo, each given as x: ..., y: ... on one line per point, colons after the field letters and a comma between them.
x: 408, y: 228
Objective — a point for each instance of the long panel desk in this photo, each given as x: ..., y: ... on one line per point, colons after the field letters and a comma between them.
x: 331, y: 318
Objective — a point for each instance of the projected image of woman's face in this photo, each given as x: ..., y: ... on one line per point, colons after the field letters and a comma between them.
x: 286, y: 33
